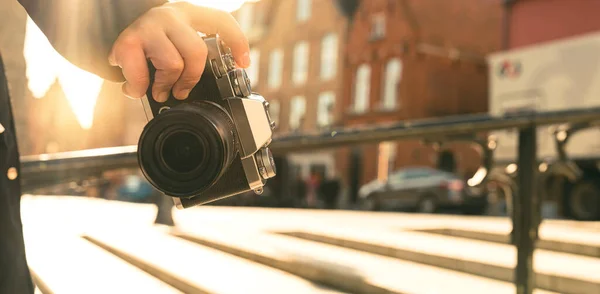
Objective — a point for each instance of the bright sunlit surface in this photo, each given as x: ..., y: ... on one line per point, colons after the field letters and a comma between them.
x: 227, y: 5
x: 45, y: 65
x: 81, y: 88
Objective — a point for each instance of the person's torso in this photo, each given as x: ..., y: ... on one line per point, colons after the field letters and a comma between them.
x: 14, y: 273
x: 9, y: 154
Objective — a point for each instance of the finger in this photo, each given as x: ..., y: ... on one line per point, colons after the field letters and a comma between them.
x: 213, y: 21
x: 193, y: 51
x: 128, y: 54
x: 126, y: 91
x: 168, y: 63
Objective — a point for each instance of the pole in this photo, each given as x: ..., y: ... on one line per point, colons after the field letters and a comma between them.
x: 164, y: 214
x: 526, y: 211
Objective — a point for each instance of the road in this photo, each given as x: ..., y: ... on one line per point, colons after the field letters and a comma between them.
x: 82, y: 245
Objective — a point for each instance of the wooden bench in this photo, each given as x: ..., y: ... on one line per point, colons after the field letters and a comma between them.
x: 564, y: 273
x: 67, y: 264
x: 197, y: 269
x: 338, y: 267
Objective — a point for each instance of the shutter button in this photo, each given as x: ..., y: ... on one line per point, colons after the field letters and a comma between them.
x: 12, y: 173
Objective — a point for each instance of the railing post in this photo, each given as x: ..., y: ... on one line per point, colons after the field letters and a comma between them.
x: 164, y: 214
x: 526, y: 211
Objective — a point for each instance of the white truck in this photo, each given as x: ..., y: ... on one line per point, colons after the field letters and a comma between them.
x: 556, y: 75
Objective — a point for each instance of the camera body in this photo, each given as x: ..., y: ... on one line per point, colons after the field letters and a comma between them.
x: 212, y: 145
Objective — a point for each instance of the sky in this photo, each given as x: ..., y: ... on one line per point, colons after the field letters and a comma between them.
x: 45, y: 66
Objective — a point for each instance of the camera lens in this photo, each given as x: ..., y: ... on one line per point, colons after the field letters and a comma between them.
x: 185, y: 150
x: 182, y: 152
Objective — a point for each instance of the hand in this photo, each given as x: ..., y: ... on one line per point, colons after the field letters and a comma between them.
x: 168, y: 36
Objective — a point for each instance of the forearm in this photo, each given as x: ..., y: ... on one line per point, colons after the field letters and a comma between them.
x: 83, y: 31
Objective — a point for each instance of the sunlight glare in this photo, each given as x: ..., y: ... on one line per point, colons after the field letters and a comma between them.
x: 41, y: 71
x: 45, y: 66
x: 81, y: 88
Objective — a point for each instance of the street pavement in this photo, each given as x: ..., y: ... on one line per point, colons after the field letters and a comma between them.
x: 83, y: 245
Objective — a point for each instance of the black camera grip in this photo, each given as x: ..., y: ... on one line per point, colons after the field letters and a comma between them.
x: 151, y: 76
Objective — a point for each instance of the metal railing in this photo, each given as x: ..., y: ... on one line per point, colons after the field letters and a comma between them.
x: 38, y: 171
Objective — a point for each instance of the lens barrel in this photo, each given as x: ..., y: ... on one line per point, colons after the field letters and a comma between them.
x: 186, y: 149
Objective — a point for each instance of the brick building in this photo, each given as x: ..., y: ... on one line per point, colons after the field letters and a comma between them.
x: 415, y: 59
x: 534, y: 21
x: 295, y: 50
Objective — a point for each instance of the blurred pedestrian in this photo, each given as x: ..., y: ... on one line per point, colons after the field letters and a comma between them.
x: 314, y: 181
x: 300, y: 191
x: 114, y: 40
x: 329, y: 192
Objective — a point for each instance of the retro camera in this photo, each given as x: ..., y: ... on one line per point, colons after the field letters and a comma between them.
x: 215, y: 143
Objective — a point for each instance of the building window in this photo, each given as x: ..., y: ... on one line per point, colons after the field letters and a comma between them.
x: 274, y: 111
x: 378, y: 26
x: 300, y: 72
x: 303, y: 10
x: 297, y: 112
x: 329, y: 54
x: 245, y: 17
x: 325, y: 109
x: 275, y: 68
x: 393, y: 75
x: 362, y: 88
x: 253, y: 70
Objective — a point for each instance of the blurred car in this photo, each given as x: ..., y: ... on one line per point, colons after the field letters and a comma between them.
x: 136, y: 189
x: 422, y: 189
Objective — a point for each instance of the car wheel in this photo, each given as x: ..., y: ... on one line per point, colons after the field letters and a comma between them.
x: 427, y: 204
x: 370, y: 204
x: 584, y: 201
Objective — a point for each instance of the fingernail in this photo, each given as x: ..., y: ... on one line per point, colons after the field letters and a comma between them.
x: 112, y: 61
x: 162, y: 97
x: 183, y: 94
x: 126, y: 92
x: 246, y: 59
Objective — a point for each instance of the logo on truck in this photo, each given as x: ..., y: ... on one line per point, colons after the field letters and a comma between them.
x: 510, y: 69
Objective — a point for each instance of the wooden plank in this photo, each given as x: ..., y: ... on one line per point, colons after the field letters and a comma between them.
x: 205, y: 270
x: 327, y: 262
x: 564, y: 246
x: 68, y: 264
x: 558, y: 272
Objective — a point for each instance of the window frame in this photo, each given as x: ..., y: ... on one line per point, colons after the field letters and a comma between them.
x: 303, y: 10
x: 390, y: 85
x: 296, y: 117
x: 330, y: 97
x: 253, y: 71
x: 245, y: 17
x: 275, y: 80
x: 275, y: 111
x: 362, y: 86
x: 378, y: 28
x: 300, y: 62
x: 329, y: 56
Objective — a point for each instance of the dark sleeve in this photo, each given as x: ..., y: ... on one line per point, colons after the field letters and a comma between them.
x: 83, y: 31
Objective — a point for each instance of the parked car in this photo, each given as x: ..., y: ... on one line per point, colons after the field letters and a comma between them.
x: 136, y: 189
x: 422, y: 189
